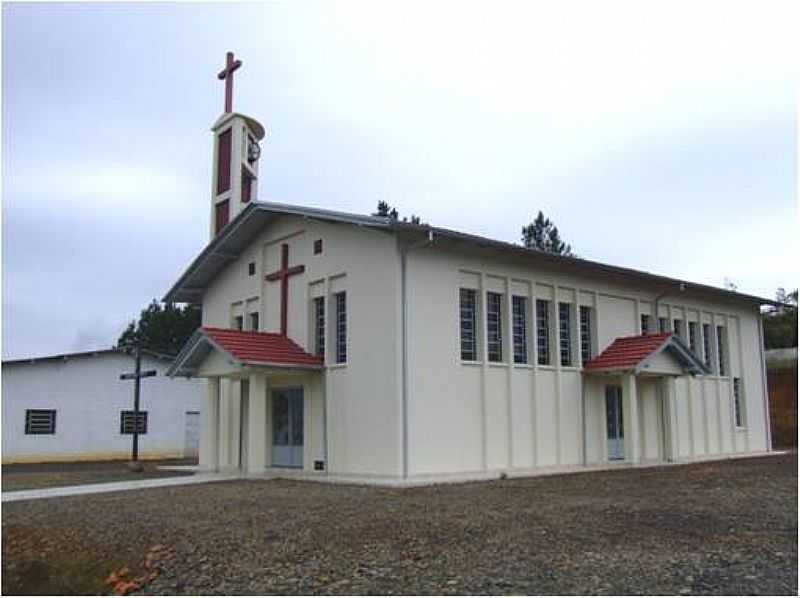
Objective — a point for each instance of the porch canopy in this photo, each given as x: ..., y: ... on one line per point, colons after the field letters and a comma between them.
x: 658, y: 354
x: 662, y: 357
x: 237, y: 350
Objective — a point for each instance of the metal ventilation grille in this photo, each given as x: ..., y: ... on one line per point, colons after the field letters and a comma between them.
x: 40, y: 421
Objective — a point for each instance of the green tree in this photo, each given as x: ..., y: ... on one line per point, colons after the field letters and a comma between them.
x: 162, y: 327
x: 780, y: 322
x: 384, y: 210
x: 542, y: 234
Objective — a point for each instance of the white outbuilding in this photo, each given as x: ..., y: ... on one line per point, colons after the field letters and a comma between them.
x: 75, y: 407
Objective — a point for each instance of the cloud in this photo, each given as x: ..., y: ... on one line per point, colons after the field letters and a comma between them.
x: 658, y: 137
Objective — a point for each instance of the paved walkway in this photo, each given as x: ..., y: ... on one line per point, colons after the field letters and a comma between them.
x: 201, y: 478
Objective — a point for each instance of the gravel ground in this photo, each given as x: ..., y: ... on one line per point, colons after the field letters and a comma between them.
x: 26, y: 476
x: 721, y: 528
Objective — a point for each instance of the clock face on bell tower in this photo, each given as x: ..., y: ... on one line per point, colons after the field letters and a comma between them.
x: 236, y: 155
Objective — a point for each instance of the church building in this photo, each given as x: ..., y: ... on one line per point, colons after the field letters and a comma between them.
x: 344, y: 346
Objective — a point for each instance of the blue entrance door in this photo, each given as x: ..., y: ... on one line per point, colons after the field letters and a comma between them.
x: 614, y: 429
x: 287, y: 427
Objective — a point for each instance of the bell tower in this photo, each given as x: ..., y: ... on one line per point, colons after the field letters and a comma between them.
x: 236, y: 155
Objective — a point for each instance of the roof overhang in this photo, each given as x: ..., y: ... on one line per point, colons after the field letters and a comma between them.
x: 201, y: 345
x: 687, y: 362
x: 238, y: 234
x: 564, y: 263
x: 675, y: 348
x: 255, y: 127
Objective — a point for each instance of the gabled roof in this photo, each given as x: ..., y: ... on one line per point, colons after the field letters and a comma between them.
x: 244, y: 349
x: 237, y: 235
x: 631, y: 352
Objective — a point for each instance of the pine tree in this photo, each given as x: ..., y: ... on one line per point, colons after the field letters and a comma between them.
x: 543, y: 235
x: 384, y: 210
x: 163, y: 328
x: 780, y: 323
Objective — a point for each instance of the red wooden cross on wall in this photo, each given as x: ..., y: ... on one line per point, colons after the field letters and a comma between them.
x: 226, y: 74
x: 283, y: 275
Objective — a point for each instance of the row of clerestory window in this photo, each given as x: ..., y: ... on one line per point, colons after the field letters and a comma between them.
x: 521, y: 331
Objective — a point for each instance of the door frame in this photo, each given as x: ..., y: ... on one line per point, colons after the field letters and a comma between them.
x: 302, y: 401
x: 620, y: 423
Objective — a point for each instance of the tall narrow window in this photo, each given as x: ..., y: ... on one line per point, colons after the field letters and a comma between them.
x: 254, y: 321
x: 247, y: 186
x: 319, y: 326
x: 520, y: 321
x: 564, y: 333
x: 645, y: 323
x: 127, y: 422
x: 662, y: 324
x: 467, y: 315
x: 543, y: 331
x: 693, y: 337
x: 721, y: 355
x: 707, y: 345
x: 586, y: 333
x: 494, y: 326
x: 238, y: 323
x: 221, y: 215
x: 677, y: 328
x: 40, y: 421
x: 737, y: 402
x: 224, y: 162
x: 341, y: 327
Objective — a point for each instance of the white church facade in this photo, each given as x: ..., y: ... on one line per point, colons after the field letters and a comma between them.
x: 364, y: 347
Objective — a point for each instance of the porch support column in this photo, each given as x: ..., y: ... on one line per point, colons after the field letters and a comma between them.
x: 257, y: 424
x: 630, y: 415
x: 209, y: 439
x: 224, y: 442
x: 671, y: 416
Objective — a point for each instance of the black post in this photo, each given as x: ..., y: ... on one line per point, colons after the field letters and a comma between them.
x: 136, y: 382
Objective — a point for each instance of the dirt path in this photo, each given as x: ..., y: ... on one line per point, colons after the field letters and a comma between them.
x: 27, y: 476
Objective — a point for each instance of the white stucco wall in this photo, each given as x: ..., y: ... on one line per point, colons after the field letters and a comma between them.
x: 364, y: 404
x: 88, y: 395
x: 466, y: 417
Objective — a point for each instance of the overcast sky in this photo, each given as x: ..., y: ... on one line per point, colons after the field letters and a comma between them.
x: 660, y: 138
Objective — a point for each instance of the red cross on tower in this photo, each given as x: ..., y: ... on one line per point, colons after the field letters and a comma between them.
x: 283, y: 275
x: 227, y: 74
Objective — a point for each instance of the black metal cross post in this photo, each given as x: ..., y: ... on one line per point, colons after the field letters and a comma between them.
x: 137, y: 376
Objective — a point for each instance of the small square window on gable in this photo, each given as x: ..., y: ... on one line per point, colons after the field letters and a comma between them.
x: 318, y: 247
x: 251, y: 268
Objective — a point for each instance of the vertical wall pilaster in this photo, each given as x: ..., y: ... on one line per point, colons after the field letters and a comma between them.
x: 534, y: 344
x: 224, y: 421
x: 257, y: 424
x: 508, y: 346
x: 672, y: 419
x: 630, y: 410
x: 484, y: 352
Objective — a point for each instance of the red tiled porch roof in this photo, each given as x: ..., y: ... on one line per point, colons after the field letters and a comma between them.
x: 261, y: 347
x: 627, y: 352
